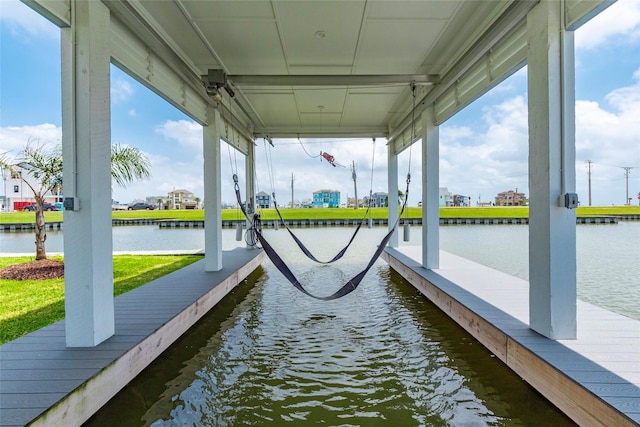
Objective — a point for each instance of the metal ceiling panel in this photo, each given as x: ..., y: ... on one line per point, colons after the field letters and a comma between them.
x: 329, y: 39
x: 469, y: 45
x: 395, y: 47
x: 425, y: 9
x: 247, y: 47
x: 227, y: 10
x: 321, y: 121
x: 275, y: 109
x: 362, y: 108
x: 324, y: 100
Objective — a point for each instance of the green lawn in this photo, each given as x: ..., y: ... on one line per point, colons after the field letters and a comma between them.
x: 26, y: 306
x: 332, y: 213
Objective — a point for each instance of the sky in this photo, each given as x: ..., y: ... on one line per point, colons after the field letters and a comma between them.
x: 483, y: 149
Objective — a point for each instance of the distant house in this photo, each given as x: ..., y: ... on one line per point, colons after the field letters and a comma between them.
x: 351, y: 202
x: 511, y: 198
x: 263, y: 200
x: 326, y: 199
x: 182, y: 199
x: 158, y: 201
x: 459, y: 200
x: 379, y: 200
x: 18, y: 194
x: 445, y: 197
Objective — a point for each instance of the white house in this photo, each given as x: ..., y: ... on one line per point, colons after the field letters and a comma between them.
x: 17, y: 194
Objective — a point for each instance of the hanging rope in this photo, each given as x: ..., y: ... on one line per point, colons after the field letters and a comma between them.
x: 347, y: 288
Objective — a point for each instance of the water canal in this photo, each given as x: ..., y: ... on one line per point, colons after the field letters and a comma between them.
x: 607, y: 255
x: 383, y: 355
x: 269, y: 355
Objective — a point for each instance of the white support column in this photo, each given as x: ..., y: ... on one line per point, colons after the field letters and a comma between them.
x: 251, y: 185
x: 212, y: 192
x: 86, y: 143
x: 430, y: 191
x: 392, y: 188
x: 552, y: 227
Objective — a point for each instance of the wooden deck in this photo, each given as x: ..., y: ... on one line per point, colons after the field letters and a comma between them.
x: 594, y: 379
x: 44, y: 382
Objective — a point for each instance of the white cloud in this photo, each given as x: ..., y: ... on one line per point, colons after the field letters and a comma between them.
x: 187, y: 133
x: 14, y: 138
x: 609, y: 138
x: 485, y: 163
x: 619, y: 21
x: 121, y: 91
x: 496, y: 159
x: 166, y: 175
x: 25, y: 23
x: 169, y: 170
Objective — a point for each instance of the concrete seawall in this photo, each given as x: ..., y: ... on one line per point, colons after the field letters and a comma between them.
x: 310, y: 223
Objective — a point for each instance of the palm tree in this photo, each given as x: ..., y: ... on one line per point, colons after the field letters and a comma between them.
x: 44, y: 165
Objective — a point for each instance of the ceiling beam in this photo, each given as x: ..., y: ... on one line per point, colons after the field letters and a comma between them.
x: 321, y: 132
x: 332, y: 80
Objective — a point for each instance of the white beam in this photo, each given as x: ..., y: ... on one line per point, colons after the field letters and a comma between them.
x: 212, y: 192
x: 430, y: 191
x: 86, y: 140
x: 552, y: 228
x: 56, y: 11
x: 392, y: 189
x: 331, y: 80
x: 580, y: 11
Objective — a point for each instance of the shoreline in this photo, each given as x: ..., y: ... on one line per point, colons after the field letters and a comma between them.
x: 319, y: 222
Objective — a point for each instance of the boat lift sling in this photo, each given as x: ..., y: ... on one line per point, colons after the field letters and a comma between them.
x: 352, y: 284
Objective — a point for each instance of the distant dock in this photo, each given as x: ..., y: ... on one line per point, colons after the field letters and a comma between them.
x: 312, y: 223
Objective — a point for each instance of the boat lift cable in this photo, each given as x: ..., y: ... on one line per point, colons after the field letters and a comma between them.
x: 305, y: 150
x: 279, y: 263
x: 413, y: 136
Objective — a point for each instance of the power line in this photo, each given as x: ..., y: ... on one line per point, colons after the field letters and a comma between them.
x: 589, y: 162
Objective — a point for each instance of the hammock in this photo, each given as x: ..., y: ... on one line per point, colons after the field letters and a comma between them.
x: 306, y: 251
x: 348, y: 287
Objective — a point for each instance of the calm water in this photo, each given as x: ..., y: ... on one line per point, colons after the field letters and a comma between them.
x: 383, y: 355
x: 608, y: 255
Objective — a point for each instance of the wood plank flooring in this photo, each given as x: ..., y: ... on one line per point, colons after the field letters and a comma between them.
x: 43, y: 380
x: 595, y: 379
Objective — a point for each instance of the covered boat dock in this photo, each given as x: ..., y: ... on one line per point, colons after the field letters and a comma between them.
x: 376, y: 68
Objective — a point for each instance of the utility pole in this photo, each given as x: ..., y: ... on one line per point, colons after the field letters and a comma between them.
x: 292, y: 180
x: 355, y: 185
x: 627, y: 169
x: 589, y: 162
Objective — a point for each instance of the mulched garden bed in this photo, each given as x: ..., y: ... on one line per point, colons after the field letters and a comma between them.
x: 34, y: 270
